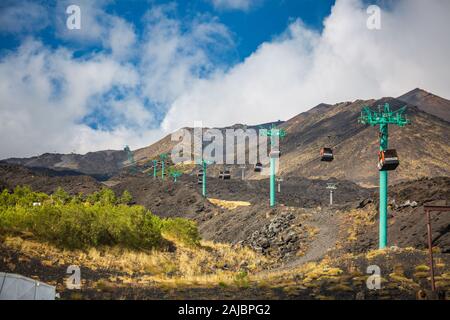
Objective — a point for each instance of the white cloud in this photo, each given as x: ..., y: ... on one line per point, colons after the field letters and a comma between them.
x: 121, y: 39
x: 175, y: 54
x: 46, y: 94
x: 24, y: 16
x: 302, y: 68
x: 244, y: 5
x: 53, y: 95
x: 97, y: 28
x: 95, y: 22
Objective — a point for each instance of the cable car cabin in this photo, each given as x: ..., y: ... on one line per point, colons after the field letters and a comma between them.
x: 275, y: 154
x: 200, y: 180
x: 225, y: 175
x: 326, y: 154
x: 388, y: 160
x: 258, y: 167
x: 200, y: 173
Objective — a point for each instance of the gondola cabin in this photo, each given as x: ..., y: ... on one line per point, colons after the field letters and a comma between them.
x: 326, y: 154
x: 258, y: 167
x: 388, y: 160
x: 275, y: 154
x: 200, y: 176
x: 225, y: 175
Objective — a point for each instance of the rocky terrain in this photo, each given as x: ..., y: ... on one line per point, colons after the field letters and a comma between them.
x: 422, y: 146
x: 302, y: 218
x: 303, y: 248
x: 407, y: 223
x: 101, y: 164
x: 47, y: 181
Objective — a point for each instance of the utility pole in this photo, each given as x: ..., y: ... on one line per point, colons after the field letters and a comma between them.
x: 331, y: 187
x: 383, y: 118
x: 274, y: 154
x: 243, y: 171
x: 204, y: 165
x: 163, y: 157
x: 279, y: 180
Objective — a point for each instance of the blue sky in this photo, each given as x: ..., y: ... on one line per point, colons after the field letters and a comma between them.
x: 140, y: 69
x: 250, y: 27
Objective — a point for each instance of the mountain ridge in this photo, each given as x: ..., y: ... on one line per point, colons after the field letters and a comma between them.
x: 428, y: 102
x: 423, y: 147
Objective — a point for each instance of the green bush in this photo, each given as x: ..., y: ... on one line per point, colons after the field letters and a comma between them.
x: 76, y: 223
x: 126, y: 198
x: 183, y: 230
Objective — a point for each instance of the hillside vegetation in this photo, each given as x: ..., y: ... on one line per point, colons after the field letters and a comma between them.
x: 89, y: 221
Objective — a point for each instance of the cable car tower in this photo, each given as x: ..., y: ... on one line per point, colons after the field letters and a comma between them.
x: 155, y: 168
x: 243, y: 167
x: 131, y: 161
x: 279, y: 180
x: 388, y: 159
x: 331, y: 186
x: 274, y: 154
x: 201, y: 175
x: 175, y: 174
x: 163, y: 157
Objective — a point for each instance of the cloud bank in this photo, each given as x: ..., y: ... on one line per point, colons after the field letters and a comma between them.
x: 302, y: 68
x: 141, y: 86
x: 244, y: 5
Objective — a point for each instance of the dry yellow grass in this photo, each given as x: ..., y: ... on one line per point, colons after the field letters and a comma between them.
x: 230, y: 205
x: 359, y: 220
x: 209, y: 263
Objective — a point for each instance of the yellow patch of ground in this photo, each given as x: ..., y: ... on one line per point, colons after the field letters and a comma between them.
x: 230, y: 205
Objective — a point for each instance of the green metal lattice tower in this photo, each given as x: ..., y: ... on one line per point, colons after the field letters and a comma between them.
x: 272, y: 133
x: 383, y: 117
x: 131, y: 161
x: 175, y: 175
x: 155, y: 169
x: 204, y: 165
x: 163, y: 158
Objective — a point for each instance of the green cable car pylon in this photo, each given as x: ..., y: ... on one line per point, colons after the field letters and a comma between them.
x: 155, y: 169
x: 131, y: 161
x: 384, y: 117
x: 175, y: 175
x: 204, y: 165
x: 274, y: 154
x: 163, y: 157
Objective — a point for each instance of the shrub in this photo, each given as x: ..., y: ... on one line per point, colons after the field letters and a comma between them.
x: 61, y: 196
x: 183, y: 230
x: 70, y: 222
x: 126, y: 198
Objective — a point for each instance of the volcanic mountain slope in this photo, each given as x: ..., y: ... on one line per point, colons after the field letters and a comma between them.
x: 165, y: 145
x: 422, y: 146
x: 100, y: 164
x: 428, y: 102
x: 12, y: 175
x: 407, y: 224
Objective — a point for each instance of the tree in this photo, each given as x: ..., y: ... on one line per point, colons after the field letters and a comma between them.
x: 61, y: 196
x: 107, y: 196
x: 126, y: 197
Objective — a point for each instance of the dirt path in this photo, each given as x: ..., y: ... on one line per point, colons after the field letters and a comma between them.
x: 326, y: 222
